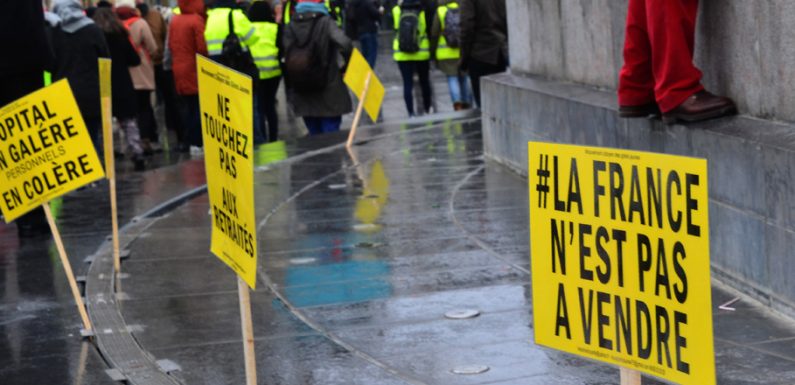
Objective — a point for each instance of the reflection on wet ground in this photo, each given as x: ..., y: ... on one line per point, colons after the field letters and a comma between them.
x: 361, y: 255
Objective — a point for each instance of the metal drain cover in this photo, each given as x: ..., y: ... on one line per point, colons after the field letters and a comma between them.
x: 470, y: 369
x: 302, y: 261
x: 462, y: 314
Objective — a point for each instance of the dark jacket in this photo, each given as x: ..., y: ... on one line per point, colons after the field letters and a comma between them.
x: 363, y: 17
x: 22, y: 38
x: 484, y: 31
x: 334, y: 99
x: 185, y: 40
x: 76, y: 57
x: 124, y: 56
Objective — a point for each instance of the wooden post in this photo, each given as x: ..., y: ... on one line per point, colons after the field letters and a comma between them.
x: 248, y: 331
x: 110, y: 165
x: 359, y: 109
x: 630, y: 377
x: 67, y: 267
x: 115, y: 226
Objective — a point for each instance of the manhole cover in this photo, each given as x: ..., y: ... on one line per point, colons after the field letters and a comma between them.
x: 462, y: 314
x: 470, y: 369
x: 302, y: 261
x: 366, y: 227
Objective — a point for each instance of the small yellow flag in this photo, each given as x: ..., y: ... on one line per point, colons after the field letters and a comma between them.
x: 356, y: 79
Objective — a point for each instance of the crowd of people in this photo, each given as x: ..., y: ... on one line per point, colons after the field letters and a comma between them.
x: 153, y: 51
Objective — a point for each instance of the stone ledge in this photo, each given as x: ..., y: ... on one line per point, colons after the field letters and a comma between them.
x: 751, y: 169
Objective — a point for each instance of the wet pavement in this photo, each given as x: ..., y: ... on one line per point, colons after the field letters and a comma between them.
x: 361, y: 256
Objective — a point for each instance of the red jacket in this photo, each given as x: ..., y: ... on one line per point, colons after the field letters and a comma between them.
x: 185, y: 40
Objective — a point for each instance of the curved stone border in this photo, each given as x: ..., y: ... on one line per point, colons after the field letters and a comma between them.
x: 128, y: 360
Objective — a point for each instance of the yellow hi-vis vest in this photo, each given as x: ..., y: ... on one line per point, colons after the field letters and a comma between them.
x: 287, y: 10
x: 265, y: 51
x: 336, y: 12
x: 218, y: 28
x: 425, y: 45
x: 443, y: 51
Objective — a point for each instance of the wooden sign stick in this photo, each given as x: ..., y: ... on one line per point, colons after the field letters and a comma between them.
x: 110, y: 166
x: 67, y: 268
x: 359, y: 109
x: 248, y: 332
x: 630, y: 377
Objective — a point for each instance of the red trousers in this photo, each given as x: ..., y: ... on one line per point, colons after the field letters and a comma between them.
x: 658, y: 54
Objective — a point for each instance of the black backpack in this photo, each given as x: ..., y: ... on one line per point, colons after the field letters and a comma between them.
x: 452, y: 27
x: 234, y: 56
x: 409, y: 30
x: 305, y: 62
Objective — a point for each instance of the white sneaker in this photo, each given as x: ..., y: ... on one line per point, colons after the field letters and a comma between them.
x: 196, y: 150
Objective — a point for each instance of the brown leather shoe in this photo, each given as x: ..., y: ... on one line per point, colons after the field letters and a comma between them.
x: 700, y: 106
x: 641, y: 111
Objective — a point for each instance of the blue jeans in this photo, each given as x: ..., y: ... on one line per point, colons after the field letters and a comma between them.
x: 369, y: 42
x: 322, y: 125
x: 407, y: 70
x: 460, y: 91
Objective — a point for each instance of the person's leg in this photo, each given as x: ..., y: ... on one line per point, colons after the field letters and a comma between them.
x: 672, y: 26
x: 313, y: 125
x: 455, y: 89
x: 194, y: 121
x: 94, y: 126
x: 466, y: 90
x: 133, y: 137
x: 170, y: 105
x: 258, y: 125
x: 331, y: 124
x: 424, y: 72
x: 475, y: 72
x: 407, y: 73
x: 369, y: 43
x: 146, y: 116
x: 635, y: 80
x: 269, y: 89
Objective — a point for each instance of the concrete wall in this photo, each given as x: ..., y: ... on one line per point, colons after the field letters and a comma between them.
x: 565, y: 57
x: 751, y: 170
x: 746, y: 48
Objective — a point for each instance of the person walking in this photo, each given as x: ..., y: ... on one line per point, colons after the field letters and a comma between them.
x: 164, y: 80
x: 658, y: 74
x: 484, y: 40
x: 22, y: 34
x: 411, y: 51
x: 267, y: 56
x: 445, y: 49
x: 217, y: 27
x: 123, y: 95
x: 78, y: 44
x: 314, y: 47
x: 363, y: 21
x: 185, y: 40
x: 143, y: 75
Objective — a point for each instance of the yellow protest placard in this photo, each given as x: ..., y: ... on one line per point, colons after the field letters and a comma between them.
x: 620, y: 258
x: 45, y: 150
x: 356, y: 79
x: 225, y: 100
